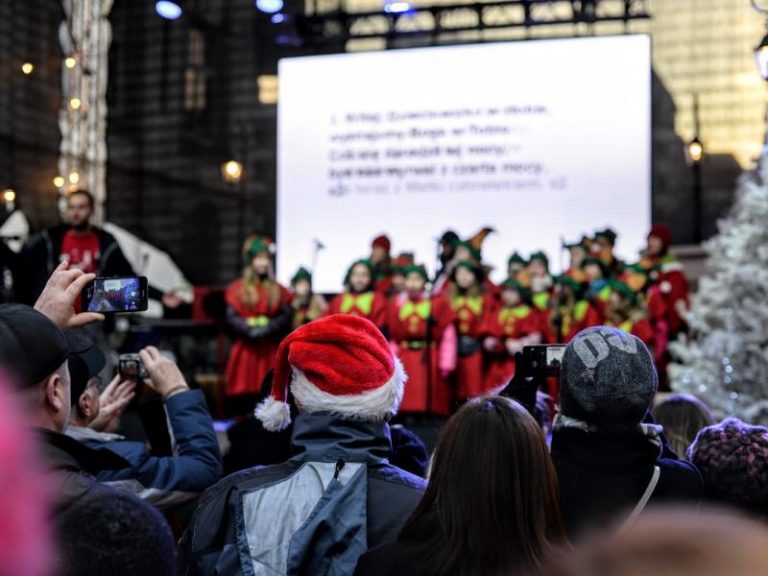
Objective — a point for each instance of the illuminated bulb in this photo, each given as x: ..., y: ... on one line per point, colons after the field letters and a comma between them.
x: 696, y: 150
x: 75, y: 103
x: 74, y: 178
x: 27, y: 68
x: 9, y: 195
x: 58, y: 181
x: 232, y: 171
x: 70, y: 62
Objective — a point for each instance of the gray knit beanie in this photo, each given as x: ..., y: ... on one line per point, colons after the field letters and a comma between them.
x: 607, y: 378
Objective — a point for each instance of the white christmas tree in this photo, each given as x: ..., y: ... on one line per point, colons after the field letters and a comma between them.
x: 724, y: 361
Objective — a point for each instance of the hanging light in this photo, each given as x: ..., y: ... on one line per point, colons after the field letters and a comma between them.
x: 168, y: 10
x: 269, y: 6
x: 695, y: 150
x: 232, y: 171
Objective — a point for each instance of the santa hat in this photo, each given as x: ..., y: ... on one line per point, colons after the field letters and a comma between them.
x: 339, y: 364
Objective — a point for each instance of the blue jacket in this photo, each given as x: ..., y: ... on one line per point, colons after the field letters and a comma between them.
x: 314, y: 514
x: 165, y: 480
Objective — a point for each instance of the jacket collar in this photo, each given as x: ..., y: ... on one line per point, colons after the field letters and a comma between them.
x: 621, y: 452
x: 62, y: 452
x: 323, y: 437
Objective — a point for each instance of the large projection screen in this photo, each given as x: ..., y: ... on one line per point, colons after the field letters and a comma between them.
x: 540, y: 140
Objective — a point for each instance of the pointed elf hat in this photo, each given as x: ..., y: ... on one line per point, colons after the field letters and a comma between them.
x: 340, y: 364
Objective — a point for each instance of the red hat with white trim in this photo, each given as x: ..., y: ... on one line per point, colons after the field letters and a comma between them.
x: 340, y: 364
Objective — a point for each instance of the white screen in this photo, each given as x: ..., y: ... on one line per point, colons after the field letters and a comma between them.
x: 542, y: 141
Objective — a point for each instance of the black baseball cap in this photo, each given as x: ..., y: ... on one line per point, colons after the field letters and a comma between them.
x: 86, y: 360
x: 31, y: 346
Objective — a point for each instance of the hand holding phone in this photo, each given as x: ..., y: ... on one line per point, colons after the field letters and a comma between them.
x: 123, y: 294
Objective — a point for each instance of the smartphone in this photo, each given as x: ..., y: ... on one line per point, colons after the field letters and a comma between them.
x: 542, y: 359
x: 131, y: 367
x: 115, y: 295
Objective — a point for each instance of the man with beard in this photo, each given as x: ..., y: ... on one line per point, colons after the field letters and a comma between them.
x: 84, y: 246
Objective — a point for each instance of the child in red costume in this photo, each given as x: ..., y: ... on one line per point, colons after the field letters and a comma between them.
x: 306, y: 305
x: 422, y: 335
x: 359, y: 297
x: 626, y: 312
x: 471, y: 304
x: 259, y: 312
x: 571, y: 312
x: 514, y: 325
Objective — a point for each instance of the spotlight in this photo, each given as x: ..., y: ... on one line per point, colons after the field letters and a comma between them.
x: 27, y: 68
x: 9, y: 195
x: 232, y: 171
x: 168, y: 10
x: 269, y: 6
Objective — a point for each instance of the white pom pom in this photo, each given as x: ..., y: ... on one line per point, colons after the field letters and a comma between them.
x: 275, y: 415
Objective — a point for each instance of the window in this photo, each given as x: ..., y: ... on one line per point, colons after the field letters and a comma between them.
x: 194, y: 78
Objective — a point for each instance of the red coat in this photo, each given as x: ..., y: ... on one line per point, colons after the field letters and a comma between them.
x: 470, y: 320
x: 522, y: 324
x: 674, y: 289
x: 641, y: 328
x: 371, y: 305
x: 250, y: 360
x: 425, y: 362
x: 583, y: 315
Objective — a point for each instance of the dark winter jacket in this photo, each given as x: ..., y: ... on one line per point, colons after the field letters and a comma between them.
x: 603, y: 476
x: 165, y: 481
x: 404, y: 557
x: 42, y: 254
x: 317, y: 512
x: 73, y: 466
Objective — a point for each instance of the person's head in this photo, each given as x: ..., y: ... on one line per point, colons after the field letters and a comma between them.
x: 467, y: 275
x: 622, y: 298
x: 302, y: 284
x: 567, y: 288
x: 466, y: 252
x: 512, y: 293
x: 118, y: 534
x: 339, y: 365
x: 594, y: 269
x: 603, y: 244
x: 448, y: 242
x: 415, y: 280
x: 495, y: 491
x: 659, y: 240
x: 515, y: 265
x: 682, y: 416
x: 607, y: 379
x: 380, y: 248
x: 577, y: 253
x: 538, y: 265
x: 257, y: 255
x: 733, y: 460
x: 360, y: 276
x: 635, y: 277
x: 84, y: 368
x: 34, y: 352
x: 672, y: 542
x: 80, y: 205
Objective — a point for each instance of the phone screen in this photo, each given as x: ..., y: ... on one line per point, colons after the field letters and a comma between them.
x: 105, y: 295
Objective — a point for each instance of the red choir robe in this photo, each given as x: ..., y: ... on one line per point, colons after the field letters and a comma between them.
x: 427, y: 361
x: 251, y: 359
x: 519, y: 324
x: 470, y: 320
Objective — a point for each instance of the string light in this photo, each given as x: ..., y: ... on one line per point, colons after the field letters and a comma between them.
x: 70, y: 62
x: 74, y: 178
x: 27, y: 68
x: 58, y: 181
x: 75, y: 103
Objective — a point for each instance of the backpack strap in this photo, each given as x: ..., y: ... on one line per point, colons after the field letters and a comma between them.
x: 643, y: 501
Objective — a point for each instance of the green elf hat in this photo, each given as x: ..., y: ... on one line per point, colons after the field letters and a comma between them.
x: 597, y: 262
x: 569, y: 281
x: 623, y: 290
x: 540, y: 256
x: 473, y: 250
x: 608, y: 235
x: 473, y: 267
x: 512, y: 284
x: 416, y: 269
x: 516, y: 258
x: 301, y: 274
x: 256, y: 244
x: 583, y: 244
x: 402, y: 261
x: 365, y: 262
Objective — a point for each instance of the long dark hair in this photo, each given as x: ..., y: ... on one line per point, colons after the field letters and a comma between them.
x: 495, y: 492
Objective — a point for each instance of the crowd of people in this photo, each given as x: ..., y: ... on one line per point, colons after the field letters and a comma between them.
x: 458, y: 333
x: 618, y: 481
